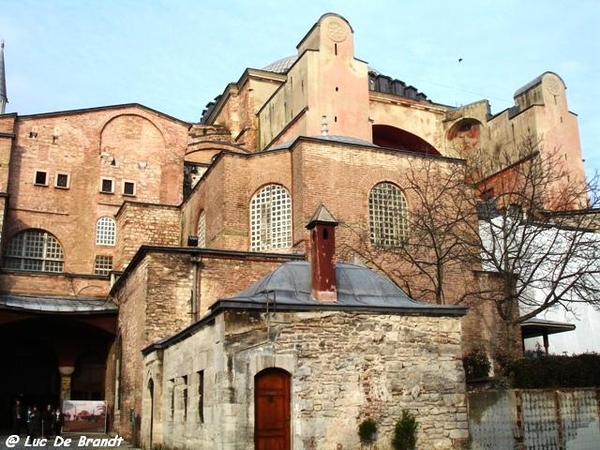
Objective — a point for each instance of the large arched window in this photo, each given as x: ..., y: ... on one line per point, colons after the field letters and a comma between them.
x: 388, y: 216
x: 271, y: 219
x: 201, y: 232
x: 35, y: 250
x: 106, y: 231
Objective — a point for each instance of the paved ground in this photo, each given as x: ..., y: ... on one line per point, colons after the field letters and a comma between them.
x: 77, y: 441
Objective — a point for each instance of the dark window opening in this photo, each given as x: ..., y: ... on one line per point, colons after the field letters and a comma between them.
x: 40, y: 178
x: 201, y: 396
x: 128, y: 188
x: 106, y: 186
x: 62, y: 180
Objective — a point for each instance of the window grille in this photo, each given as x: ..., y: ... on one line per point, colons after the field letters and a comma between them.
x: 271, y: 219
x: 202, y: 230
x: 103, y: 264
x: 106, y: 231
x: 34, y: 250
x: 388, y: 216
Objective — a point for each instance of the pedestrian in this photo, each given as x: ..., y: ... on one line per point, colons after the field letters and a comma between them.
x: 35, y: 422
x: 58, y: 420
x: 28, y: 420
x: 47, y: 422
x: 18, y: 417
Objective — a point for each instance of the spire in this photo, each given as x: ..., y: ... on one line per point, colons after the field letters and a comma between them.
x: 3, y: 97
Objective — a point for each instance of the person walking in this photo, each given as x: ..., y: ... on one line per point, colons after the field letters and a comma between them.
x: 18, y: 417
x: 47, y: 428
x: 58, y: 420
x: 35, y: 422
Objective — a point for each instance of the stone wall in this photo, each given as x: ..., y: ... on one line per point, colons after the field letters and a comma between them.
x: 344, y: 367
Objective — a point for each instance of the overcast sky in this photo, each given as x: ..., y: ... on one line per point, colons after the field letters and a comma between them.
x: 176, y: 55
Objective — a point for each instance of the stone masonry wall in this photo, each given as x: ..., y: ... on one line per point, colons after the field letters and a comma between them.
x: 344, y: 367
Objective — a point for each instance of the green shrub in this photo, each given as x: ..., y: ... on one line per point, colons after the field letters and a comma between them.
x: 367, y: 430
x: 550, y: 372
x: 405, y: 432
x: 476, y: 364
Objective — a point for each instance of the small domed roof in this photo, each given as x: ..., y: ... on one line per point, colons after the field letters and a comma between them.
x: 358, y: 287
x: 281, y: 65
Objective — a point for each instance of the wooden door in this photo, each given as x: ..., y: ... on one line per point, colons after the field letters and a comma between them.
x: 272, y: 410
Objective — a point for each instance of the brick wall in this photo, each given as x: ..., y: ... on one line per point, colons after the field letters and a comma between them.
x: 144, y: 224
x: 127, y: 143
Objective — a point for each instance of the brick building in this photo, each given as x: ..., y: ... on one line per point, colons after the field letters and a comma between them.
x: 123, y: 226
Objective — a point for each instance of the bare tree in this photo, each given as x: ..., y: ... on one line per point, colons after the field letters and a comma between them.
x: 537, y: 235
x: 436, y: 245
x: 530, y: 224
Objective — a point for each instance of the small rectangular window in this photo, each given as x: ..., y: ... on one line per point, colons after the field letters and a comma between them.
x: 128, y: 188
x: 201, y: 396
x: 41, y: 178
x: 184, y: 396
x: 103, y: 264
x: 107, y: 186
x: 62, y: 181
x: 172, y: 398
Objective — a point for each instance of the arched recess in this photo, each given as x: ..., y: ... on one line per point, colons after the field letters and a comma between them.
x: 391, y: 137
x: 272, y: 389
x: 29, y: 371
x: 38, y: 347
x: 464, y: 135
x: 123, y: 134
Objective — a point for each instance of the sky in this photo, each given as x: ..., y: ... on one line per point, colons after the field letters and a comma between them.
x: 175, y: 56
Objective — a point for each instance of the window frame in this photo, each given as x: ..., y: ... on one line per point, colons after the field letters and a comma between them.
x: 68, y: 177
x: 35, y: 177
x: 103, y: 265
x: 388, y: 216
x: 106, y: 237
x: 33, y: 248
x: 133, y: 184
x: 112, y: 185
x: 270, y: 211
x: 201, y: 229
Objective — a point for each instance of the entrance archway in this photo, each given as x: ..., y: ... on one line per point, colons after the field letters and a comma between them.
x: 272, y: 410
x: 29, y: 372
x: 34, y: 348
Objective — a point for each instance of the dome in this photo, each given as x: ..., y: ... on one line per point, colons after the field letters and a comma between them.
x: 283, y: 65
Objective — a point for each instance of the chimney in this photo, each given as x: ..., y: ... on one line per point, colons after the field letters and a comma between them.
x: 322, y: 251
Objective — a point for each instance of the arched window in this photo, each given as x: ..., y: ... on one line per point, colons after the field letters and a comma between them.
x: 35, y: 250
x: 388, y: 216
x: 106, y: 231
x: 201, y: 233
x: 271, y: 219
